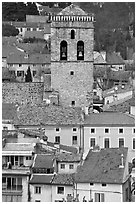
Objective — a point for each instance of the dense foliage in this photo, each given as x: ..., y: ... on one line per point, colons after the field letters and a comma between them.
x: 17, y: 11
x: 9, y: 30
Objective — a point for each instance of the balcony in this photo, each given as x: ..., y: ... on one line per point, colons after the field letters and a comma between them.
x: 15, y: 169
x: 12, y: 190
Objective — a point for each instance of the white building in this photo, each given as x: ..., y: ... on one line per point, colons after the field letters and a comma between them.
x: 104, y: 177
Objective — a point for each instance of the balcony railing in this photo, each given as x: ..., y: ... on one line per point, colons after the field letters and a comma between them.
x: 11, y: 188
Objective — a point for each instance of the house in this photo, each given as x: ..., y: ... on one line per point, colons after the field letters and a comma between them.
x: 115, y: 61
x: 16, y: 161
x: 110, y: 130
x: 37, y: 63
x: 47, y: 185
x: 62, y: 124
x: 103, y: 176
x: 67, y: 163
x: 117, y: 93
x: 9, y: 115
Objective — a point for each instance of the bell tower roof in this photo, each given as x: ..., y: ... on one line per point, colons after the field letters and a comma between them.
x: 73, y: 10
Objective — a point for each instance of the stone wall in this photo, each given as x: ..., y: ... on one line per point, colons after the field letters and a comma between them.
x: 72, y: 87
x: 22, y: 92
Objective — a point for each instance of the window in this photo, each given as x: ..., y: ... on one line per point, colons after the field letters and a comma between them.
x: 20, y: 65
x: 99, y: 197
x: 57, y: 129
x: 28, y: 29
x: 121, y: 142
x: 71, y: 73
x: 62, y: 166
x: 72, y: 34
x: 106, y: 130
x: 74, y: 140
x: 57, y: 139
x: 5, y: 128
x: 60, y: 190
x: 37, y: 189
x: 34, y: 73
x: 20, y: 73
x: 92, y: 130
x: 106, y: 143
x: 73, y: 103
x: 80, y: 50
x: 104, y: 184
x: 20, y: 29
x: 91, y: 184
x: 71, y: 166
x: 63, y: 50
x: 28, y: 158
x: 133, y: 130
x: 133, y: 147
x: 34, y: 29
x: 74, y: 129
x: 120, y: 130
x: 12, y: 183
x: 37, y: 200
x: 92, y: 142
x: 133, y: 163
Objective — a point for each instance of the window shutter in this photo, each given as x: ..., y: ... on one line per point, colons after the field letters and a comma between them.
x: 96, y: 197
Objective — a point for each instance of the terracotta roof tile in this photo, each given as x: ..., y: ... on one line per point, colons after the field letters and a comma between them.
x: 43, y: 161
x: 113, y: 58
x: 109, y: 119
x: 63, y: 179
x: 102, y: 166
x: 9, y: 111
x: 41, y: 179
x: 67, y: 157
x: 48, y: 115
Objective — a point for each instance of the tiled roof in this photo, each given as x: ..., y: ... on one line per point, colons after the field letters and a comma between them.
x: 10, y: 49
x: 48, y: 115
x: 18, y: 147
x: 124, y: 106
x: 72, y: 10
x: 9, y: 111
x: 41, y: 179
x: 32, y: 34
x: 113, y: 58
x: 32, y: 59
x: 67, y: 157
x: 98, y: 59
x: 63, y: 179
x: 102, y: 167
x: 109, y: 119
x: 112, y: 91
x: 120, y: 75
x: 43, y: 161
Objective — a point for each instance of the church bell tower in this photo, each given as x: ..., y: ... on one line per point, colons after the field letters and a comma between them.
x: 72, y: 41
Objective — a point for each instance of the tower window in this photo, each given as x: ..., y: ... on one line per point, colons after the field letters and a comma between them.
x: 71, y: 72
x: 73, y: 103
x: 72, y: 34
x: 80, y: 50
x: 63, y: 50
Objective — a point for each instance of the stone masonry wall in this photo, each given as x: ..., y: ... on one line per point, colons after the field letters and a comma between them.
x: 22, y: 92
x: 72, y: 87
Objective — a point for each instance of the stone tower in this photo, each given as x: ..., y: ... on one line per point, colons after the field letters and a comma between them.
x: 72, y: 40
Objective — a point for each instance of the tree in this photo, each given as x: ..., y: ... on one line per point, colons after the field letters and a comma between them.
x: 31, y: 9
x: 9, y: 30
x: 28, y: 77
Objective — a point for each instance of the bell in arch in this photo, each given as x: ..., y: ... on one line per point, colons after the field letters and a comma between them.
x: 63, y: 54
x: 80, y: 54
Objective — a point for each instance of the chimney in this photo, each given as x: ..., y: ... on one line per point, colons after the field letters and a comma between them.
x: 122, y: 161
